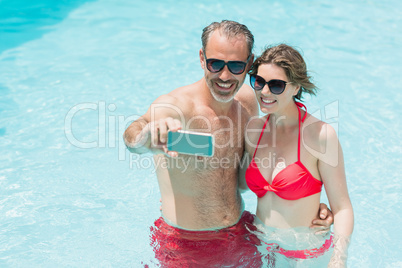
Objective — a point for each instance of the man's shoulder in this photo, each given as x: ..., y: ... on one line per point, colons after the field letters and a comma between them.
x: 176, y: 103
x: 247, y: 99
x: 245, y: 92
x: 179, y: 96
x: 185, y: 93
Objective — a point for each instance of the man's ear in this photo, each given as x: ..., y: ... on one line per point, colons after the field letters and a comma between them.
x: 202, y: 58
x: 250, y: 62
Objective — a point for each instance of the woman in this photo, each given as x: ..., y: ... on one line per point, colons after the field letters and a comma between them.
x: 293, y: 155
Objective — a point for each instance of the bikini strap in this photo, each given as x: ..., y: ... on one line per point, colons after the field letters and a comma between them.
x: 301, y: 120
x: 262, y: 132
x: 301, y: 105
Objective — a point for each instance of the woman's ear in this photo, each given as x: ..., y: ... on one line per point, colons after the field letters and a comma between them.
x: 297, y: 89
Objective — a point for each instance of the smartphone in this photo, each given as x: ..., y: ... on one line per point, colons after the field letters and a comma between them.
x: 193, y: 143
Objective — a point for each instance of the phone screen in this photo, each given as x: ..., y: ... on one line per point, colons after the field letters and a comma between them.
x: 194, y: 143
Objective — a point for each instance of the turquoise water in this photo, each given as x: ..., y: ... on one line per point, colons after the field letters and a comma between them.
x: 73, y: 74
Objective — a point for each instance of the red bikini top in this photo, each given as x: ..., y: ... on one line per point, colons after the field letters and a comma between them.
x: 291, y: 183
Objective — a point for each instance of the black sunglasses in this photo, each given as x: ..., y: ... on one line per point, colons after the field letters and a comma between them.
x: 235, y: 67
x: 276, y: 86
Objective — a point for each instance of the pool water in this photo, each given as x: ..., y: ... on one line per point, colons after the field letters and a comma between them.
x: 74, y: 73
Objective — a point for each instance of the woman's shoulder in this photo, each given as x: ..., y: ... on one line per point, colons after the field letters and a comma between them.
x: 317, y: 127
x: 317, y: 134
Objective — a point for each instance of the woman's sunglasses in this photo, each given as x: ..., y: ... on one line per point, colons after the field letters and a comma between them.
x: 235, y: 67
x: 276, y: 86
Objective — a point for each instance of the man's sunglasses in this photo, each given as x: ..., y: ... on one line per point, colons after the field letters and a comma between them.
x: 235, y: 67
x: 276, y: 86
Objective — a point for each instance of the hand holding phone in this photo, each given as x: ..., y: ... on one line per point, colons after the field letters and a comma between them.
x: 153, y: 136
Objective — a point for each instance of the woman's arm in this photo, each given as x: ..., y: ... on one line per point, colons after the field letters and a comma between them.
x: 332, y: 170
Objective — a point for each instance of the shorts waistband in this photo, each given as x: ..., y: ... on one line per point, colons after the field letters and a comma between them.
x: 206, y: 229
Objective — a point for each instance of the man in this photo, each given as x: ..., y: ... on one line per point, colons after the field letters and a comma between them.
x: 201, y: 194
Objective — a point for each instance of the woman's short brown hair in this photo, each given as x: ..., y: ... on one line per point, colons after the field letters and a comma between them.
x: 292, y: 62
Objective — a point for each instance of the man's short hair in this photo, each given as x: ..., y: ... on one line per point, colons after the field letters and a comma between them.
x: 229, y: 29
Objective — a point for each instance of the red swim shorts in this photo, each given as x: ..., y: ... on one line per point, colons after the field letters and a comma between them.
x: 234, y: 246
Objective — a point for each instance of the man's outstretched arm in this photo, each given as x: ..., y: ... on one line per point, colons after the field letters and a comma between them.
x: 149, y: 132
